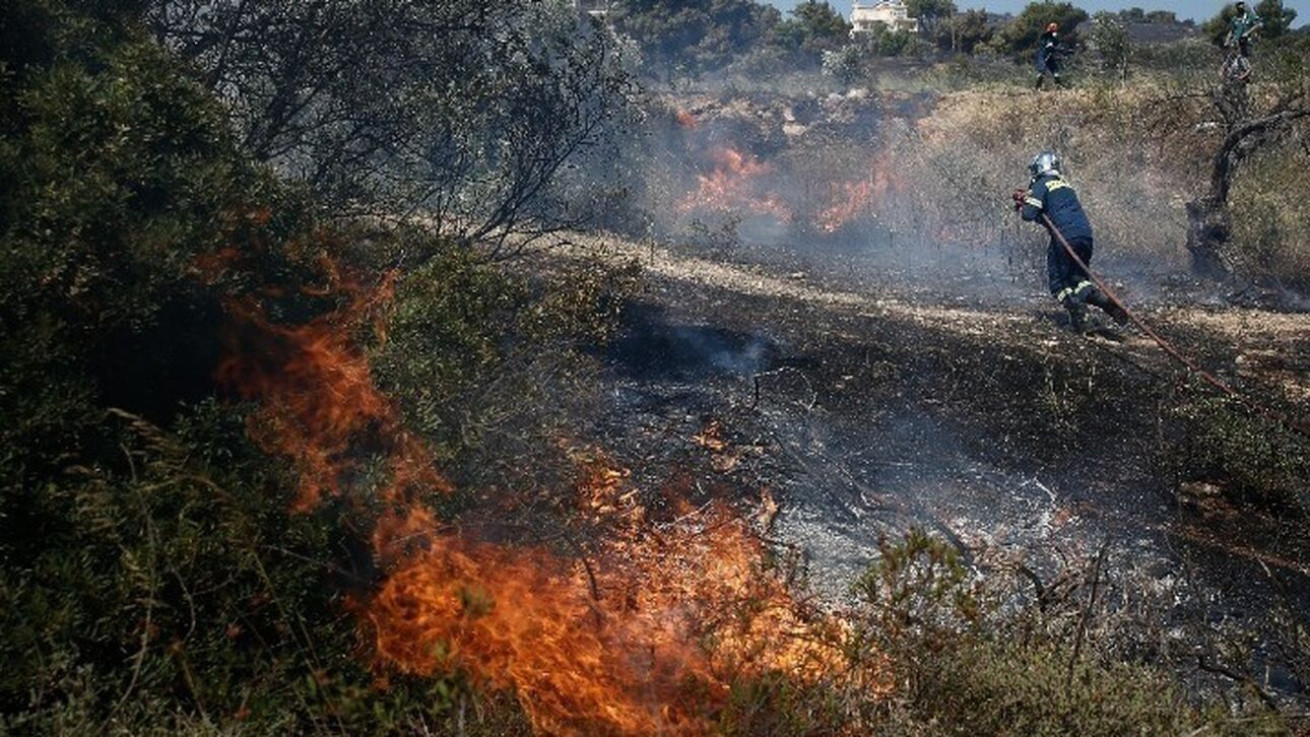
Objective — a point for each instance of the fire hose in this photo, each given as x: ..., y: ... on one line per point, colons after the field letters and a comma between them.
x: 1169, y: 348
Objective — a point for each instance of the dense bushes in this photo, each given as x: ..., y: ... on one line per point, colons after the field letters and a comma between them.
x: 139, y: 583
x: 152, y: 579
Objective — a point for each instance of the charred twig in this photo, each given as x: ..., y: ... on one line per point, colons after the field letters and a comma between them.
x: 1087, y: 612
x: 1038, y: 586
x: 1242, y: 678
x: 591, y: 578
x: 814, y: 395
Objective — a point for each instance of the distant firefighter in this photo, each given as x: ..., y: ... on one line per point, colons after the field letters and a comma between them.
x: 1244, y: 23
x: 1049, y: 194
x: 1048, y: 55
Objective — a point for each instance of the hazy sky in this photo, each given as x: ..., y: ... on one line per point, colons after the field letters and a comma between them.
x: 1197, y: 9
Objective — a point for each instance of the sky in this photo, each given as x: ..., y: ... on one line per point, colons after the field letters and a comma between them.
x: 1196, y: 9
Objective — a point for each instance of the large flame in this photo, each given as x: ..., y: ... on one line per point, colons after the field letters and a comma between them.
x: 646, y: 634
x: 643, y: 627
x: 738, y: 183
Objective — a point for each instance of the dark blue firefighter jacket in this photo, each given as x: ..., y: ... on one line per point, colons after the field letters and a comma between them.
x: 1052, y: 195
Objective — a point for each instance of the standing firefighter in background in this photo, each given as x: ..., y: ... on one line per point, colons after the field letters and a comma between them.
x: 1048, y: 55
x: 1048, y: 194
x: 1244, y: 23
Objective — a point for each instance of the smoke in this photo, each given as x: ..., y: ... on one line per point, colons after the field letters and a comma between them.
x: 905, y: 193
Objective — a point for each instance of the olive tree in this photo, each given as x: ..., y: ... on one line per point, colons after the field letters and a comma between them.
x: 457, y: 111
x: 1249, y: 124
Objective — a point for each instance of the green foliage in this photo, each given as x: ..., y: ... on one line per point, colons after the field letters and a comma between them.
x: 1109, y: 39
x: 930, y: 14
x: 1271, y: 221
x: 445, y: 334
x: 963, y: 665
x: 151, y: 578
x: 1021, y: 35
x: 884, y: 41
x: 468, y: 340
x: 1252, y: 460
x: 776, y: 705
x: 964, y: 32
x: 694, y: 36
x: 917, y: 592
x: 1216, y: 29
x: 165, y: 583
x: 120, y: 177
x: 814, y: 27
x: 1277, y: 18
x: 1000, y: 687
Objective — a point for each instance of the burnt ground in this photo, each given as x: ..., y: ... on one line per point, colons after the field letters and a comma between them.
x: 962, y: 404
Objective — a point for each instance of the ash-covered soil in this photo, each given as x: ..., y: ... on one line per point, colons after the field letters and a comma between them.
x: 868, y: 400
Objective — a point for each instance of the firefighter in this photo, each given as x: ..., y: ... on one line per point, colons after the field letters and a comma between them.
x: 1048, y: 52
x: 1048, y: 193
x: 1243, y: 24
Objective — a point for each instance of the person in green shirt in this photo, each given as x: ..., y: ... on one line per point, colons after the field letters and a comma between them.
x: 1243, y: 24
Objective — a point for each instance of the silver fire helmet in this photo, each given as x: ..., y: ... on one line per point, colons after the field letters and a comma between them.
x: 1043, y: 163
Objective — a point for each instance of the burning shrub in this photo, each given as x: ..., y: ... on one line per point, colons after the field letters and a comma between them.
x: 151, y: 577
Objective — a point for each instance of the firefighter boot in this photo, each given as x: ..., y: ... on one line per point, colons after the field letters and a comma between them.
x: 1077, y: 315
x: 1111, y: 307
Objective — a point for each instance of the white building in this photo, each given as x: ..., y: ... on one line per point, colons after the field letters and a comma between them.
x: 891, y: 13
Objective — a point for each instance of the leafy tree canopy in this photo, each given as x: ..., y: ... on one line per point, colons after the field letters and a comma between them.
x: 1023, y: 33
x: 814, y: 27
x: 965, y: 31
x: 698, y: 35
x: 930, y: 13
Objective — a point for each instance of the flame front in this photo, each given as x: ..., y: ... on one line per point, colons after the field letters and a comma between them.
x: 619, y: 641
x: 738, y: 183
x: 643, y: 633
x: 854, y: 200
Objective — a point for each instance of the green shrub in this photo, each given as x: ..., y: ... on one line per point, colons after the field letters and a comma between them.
x: 1250, y: 458
x: 151, y: 578
x: 964, y: 665
x: 1271, y: 218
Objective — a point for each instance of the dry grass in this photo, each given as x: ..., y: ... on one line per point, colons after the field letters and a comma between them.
x: 1133, y: 176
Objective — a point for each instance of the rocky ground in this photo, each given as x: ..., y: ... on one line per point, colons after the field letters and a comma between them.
x: 867, y: 396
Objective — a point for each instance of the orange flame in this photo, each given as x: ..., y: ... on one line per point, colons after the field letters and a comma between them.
x: 855, y: 200
x: 615, y: 644
x: 644, y: 633
x: 735, y: 185
x: 316, y: 392
x: 853, y: 204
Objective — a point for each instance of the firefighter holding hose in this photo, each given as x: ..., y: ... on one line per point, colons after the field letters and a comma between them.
x: 1049, y: 195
